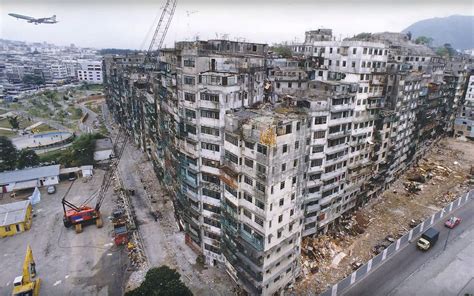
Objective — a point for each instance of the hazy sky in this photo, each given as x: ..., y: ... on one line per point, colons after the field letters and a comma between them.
x: 126, y: 24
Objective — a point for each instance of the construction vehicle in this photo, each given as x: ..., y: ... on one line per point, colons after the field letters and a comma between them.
x: 84, y: 214
x: 25, y: 284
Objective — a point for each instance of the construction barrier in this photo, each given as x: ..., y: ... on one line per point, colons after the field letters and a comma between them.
x: 362, y: 271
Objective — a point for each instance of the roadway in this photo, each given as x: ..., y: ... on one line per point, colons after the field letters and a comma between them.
x: 446, y: 269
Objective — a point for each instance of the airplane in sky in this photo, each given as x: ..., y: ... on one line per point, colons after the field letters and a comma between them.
x: 36, y: 21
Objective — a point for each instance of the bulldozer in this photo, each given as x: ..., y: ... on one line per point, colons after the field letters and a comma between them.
x: 26, y: 284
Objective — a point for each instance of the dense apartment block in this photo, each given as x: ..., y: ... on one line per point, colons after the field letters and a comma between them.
x: 259, y: 151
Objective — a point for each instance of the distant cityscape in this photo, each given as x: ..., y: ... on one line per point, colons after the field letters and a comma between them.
x: 28, y: 66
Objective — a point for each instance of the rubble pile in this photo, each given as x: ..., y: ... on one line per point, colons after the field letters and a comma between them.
x: 435, y: 181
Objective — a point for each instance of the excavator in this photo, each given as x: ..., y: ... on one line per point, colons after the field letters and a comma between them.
x: 84, y: 214
x: 25, y: 284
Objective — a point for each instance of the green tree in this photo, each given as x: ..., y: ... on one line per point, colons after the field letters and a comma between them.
x: 33, y: 79
x: 424, y: 40
x: 284, y: 51
x: 161, y: 281
x: 27, y: 158
x: 8, y: 154
x: 446, y: 50
x: 14, y: 122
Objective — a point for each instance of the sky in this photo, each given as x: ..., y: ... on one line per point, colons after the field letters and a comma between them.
x: 129, y: 24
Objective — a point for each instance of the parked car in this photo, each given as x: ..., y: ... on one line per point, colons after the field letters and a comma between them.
x: 72, y: 176
x: 51, y: 189
x: 452, y: 222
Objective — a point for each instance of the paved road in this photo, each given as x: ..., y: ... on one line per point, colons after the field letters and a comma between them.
x: 446, y: 269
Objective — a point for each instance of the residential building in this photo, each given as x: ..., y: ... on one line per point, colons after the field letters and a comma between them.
x: 90, y: 72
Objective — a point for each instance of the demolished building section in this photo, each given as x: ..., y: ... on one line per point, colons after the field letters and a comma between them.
x: 258, y: 151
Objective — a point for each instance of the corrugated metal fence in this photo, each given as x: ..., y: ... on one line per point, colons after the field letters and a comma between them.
x: 395, y: 247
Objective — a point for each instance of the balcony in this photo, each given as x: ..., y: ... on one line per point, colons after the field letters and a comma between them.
x: 257, y: 244
x: 343, y: 107
x: 337, y: 148
x: 377, y: 105
x: 339, y: 134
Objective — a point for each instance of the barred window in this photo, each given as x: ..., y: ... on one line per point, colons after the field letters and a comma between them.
x: 231, y: 156
x: 231, y: 139
x: 209, y: 146
x: 190, y: 97
x: 210, y: 131
x: 210, y: 97
x: 211, y: 193
x: 210, y: 114
x: 189, y: 80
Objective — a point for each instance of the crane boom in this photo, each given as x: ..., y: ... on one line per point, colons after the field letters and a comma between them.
x: 163, y: 25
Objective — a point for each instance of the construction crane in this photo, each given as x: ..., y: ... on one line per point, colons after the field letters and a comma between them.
x: 25, y: 284
x: 84, y: 214
x: 163, y: 25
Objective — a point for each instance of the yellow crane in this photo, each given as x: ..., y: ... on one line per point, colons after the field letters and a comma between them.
x: 25, y: 284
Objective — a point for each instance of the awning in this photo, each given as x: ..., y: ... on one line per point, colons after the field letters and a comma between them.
x: 25, y: 184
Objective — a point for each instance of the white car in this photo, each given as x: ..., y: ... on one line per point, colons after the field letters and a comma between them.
x: 51, y: 189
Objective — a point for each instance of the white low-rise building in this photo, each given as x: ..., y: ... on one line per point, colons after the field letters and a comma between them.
x: 29, y: 178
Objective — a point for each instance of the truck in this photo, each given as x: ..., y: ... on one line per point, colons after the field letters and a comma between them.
x: 428, y: 239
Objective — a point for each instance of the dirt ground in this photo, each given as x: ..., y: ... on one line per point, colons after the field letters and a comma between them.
x: 67, y: 263
x: 163, y: 241
x: 445, y: 176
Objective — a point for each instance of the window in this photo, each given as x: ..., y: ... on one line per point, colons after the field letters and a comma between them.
x: 278, y: 235
x: 231, y: 156
x: 354, y: 50
x: 283, y: 167
x: 353, y: 64
x: 247, y: 214
x: 210, y: 131
x: 343, y: 63
x: 247, y: 197
x: 282, y: 201
x: 284, y: 148
x: 319, y: 134
x: 210, y: 97
x: 280, y: 218
x: 210, y: 114
x: 259, y: 204
x: 282, y: 185
x: 210, y: 162
x: 211, y: 193
x: 231, y: 190
x: 262, y: 149
x: 210, y: 178
x: 320, y: 120
x: 292, y: 212
x: 261, y: 168
x: 249, y: 145
x: 258, y: 220
x: 260, y: 187
x: 191, y: 129
x: 316, y: 162
x: 189, y: 62
x: 297, y: 144
x: 210, y: 146
x: 249, y: 163
x: 189, y: 80
x: 231, y: 139
x: 248, y: 180
x: 190, y: 113
x: 317, y: 149
x: 212, y: 222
